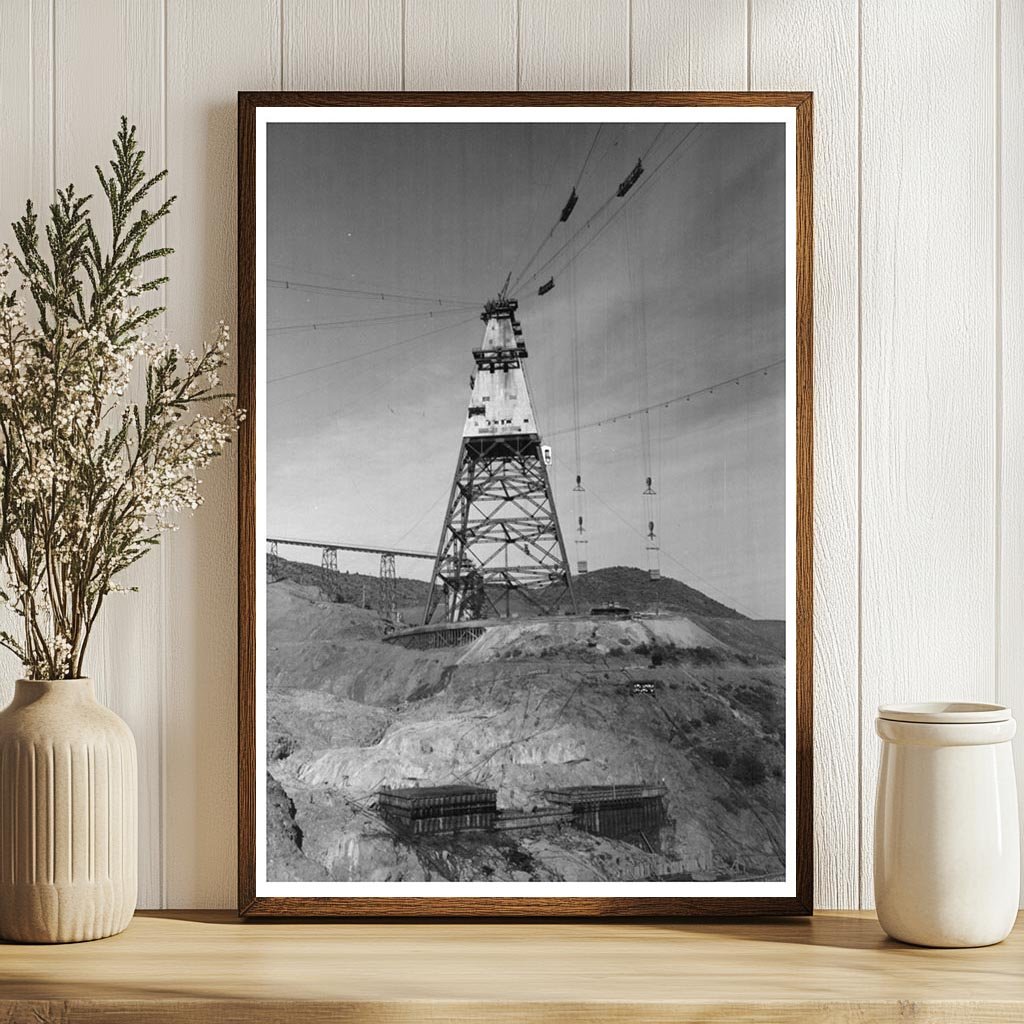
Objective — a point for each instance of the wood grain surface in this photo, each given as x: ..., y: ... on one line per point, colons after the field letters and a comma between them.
x: 470, y: 45
x: 832, y: 74
x: 574, y: 44
x: 700, y: 44
x: 209, y: 967
x: 130, y: 33
x: 345, y: 44
x: 227, y: 45
x: 928, y: 374
x: 1010, y: 368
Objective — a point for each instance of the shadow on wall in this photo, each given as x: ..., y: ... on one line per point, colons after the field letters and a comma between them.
x: 201, y: 567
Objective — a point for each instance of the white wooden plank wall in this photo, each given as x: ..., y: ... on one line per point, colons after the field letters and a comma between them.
x: 919, y: 315
x: 1009, y: 329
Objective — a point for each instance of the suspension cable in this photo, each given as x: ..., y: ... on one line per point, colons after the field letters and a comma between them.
x: 709, y: 389
x: 622, y: 206
x: 371, y: 351
x: 320, y: 325
x: 565, y: 211
x: 288, y: 285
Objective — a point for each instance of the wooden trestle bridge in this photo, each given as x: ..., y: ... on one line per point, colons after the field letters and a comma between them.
x: 387, y: 596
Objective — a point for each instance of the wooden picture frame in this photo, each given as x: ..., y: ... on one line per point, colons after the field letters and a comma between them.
x: 799, y: 898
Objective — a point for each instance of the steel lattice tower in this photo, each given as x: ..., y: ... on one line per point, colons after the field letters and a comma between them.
x: 501, y: 534
x: 388, y: 595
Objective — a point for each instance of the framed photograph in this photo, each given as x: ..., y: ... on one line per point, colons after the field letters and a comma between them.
x: 525, y: 504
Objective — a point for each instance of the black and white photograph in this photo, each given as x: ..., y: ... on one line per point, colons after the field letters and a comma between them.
x: 525, y: 517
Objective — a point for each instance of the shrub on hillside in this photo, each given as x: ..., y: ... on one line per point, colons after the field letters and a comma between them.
x: 700, y: 655
x: 748, y: 769
x: 720, y: 758
x: 713, y: 715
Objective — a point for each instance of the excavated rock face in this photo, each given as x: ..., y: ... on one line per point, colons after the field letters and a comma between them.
x: 285, y: 859
x: 531, y: 705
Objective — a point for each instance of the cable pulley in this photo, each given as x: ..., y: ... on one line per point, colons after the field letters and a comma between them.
x: 631, y: 179
x: 570, y: 205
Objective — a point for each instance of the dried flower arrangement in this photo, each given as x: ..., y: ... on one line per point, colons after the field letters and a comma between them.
x: 89, y: 477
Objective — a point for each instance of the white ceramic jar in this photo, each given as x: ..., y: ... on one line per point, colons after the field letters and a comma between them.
x: 947, y: 848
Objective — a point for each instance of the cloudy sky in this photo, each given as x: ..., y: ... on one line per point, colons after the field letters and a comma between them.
x: 685, y: 274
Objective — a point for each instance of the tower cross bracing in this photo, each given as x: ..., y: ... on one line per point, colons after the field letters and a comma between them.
x: 501, y: 538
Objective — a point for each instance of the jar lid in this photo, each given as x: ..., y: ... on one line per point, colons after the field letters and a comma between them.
x: 945, y: 713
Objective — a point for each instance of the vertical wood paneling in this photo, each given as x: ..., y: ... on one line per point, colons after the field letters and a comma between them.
x: 1010, y: 241
x: 213, y: 51
x: 689, y: 44
x: 928, y: 515
x: 939, y: 461
x: 469, y: 45
x: 127, y: 666
x: 26, y: 167
x: 574, y: 44
x: 800, y: 45
x: 26, y: 70
x: 342, y: 44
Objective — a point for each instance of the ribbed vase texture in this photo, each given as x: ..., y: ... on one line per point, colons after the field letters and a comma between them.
x: 68, y: 815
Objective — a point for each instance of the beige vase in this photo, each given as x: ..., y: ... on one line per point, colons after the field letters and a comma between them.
x: 68, y: 815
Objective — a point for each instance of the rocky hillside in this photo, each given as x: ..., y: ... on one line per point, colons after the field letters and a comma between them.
x: 637, y: 591
x: 694, y: 703
x: 620, y: 585
x: 344, y: 587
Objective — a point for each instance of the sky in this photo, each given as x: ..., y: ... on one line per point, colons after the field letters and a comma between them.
x: 685, y: 276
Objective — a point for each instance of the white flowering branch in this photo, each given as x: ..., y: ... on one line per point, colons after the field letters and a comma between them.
x: 88, y: 477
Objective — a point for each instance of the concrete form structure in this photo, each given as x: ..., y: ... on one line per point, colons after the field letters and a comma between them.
x: 630, y: 812
x: 619, y: 812
x: 429, y: 810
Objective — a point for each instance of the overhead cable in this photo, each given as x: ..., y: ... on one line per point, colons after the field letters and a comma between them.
x: 622, y: 206
x: 368, y: 292
x: 710, y: 389
x: 567, y: 209
x: 372, y: 351
x: 320, y: 325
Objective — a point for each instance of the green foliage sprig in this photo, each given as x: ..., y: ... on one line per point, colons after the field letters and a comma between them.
x: 90, y: 477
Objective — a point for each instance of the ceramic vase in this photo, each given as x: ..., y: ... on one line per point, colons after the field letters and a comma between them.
x: 68, y: 814
x: 947, y: 848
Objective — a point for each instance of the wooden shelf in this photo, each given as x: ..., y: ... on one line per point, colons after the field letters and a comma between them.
x: 209, y: 967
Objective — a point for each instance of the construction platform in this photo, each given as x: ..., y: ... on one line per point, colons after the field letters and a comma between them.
x: 440, y: 635
x: 430, y: 810
x: 619, y: 812
x: 627, y: 812
x: 541, y: 817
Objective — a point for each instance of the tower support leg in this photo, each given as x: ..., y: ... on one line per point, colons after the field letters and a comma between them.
x: 388, y: 596
x: 501, y: 544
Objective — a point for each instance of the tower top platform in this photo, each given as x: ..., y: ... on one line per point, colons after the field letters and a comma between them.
x: 502, y: 343
x: 500, y: 307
